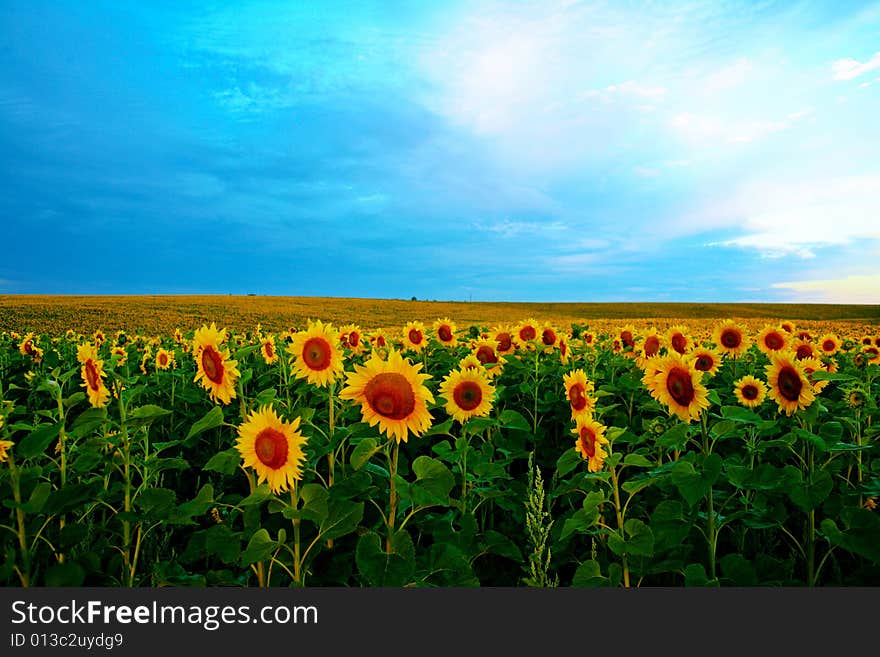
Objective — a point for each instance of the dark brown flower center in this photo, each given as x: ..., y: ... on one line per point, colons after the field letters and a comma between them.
x: 485, y: 354
x: 548, y: 336
x: 774, y: 341
x: 626, y: 337
x: 390, y: 395
x: 505, y: 342
x: 577, y: 397
x: 93, y: 379
x: 212, y: 364
x: 588, y: 441
x: 803, y: 351
x: 467, y: 395
x: 679, y: 343
x: 680, y: 386
x: 528, y: 333
x: 444, y: 333
x: 731, y: 338
x: 749, y: 391
x: 790, y: 383
x: 316, y: 354
x: 652, y: 345
x: 828, y: 345
x: 704, y: 362
x: 415, y: 336
x: 271, y: 448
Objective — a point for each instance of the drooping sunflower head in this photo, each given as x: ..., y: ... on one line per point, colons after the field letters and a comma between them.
x: 750, y: 391
x: 772, y: 339
x: 678, y: 340
x: 216, y: 372
x: 414, y: 336
x: 392, y: 394
x: 829, y: 344
x: 444, y: 331
x: 627, y: 337
x: 486, y: 352
x: 578, y: 391
x: 164, y: 359
x: 789, y: 386
x: 468, y: 394
x: 5, y: 446
x: 26, y: 346
x: 730, y: 338
x: 591, y: 441
x: 804, y: 349
x: 678, y: 384
x: 315, y: 355
x: 273, y: 448
x: 705, y: 360
x: 92, y: 373
x: 811, y: 365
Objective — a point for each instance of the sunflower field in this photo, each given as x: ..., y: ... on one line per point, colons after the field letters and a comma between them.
x: 594, y: 453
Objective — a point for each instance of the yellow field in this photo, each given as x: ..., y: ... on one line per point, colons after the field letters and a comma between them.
x: 161, y: 314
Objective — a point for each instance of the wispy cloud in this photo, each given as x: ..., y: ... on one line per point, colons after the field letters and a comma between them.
x: 850, y: 69
x: 849, y: 289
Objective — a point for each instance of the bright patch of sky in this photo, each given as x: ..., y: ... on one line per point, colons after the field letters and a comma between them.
x: 522, y: 151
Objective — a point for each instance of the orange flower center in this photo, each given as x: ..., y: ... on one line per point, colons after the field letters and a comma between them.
x: 774, y: 341
x: 316, y: 354
x: 163, y: 359
x: 444, y: 333
x: 828, y: 345
x: 626, y: 337
x: 390, y: 395
x: 680, y: 386
x: 548, y: 336
x: 790, y: 383
x: 749, y: 391
x: 588, y: 441
x: 415, y: 336
x: 577, y: 397
x: 93, y: 379
x: 270, y: 350
x: 354, y: 339
x: 380, y: 341
x: 528, y: 333
x: 271, y: 448
x: 679, y: 343
x: 212, y: 363
x: 652, y: 345
x: 731, y: 338
x: 467, y: 395
x: 485, y: 354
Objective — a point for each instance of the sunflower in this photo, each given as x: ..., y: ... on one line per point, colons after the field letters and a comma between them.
x: 811, y: 365
x: 789, y: 386
x: 378, y: 338
x: 268, y: 350
x: 216, y: 371
x: 444, y: 331
x: 164, y: 359
x: 787, y: 326
x: 468, y: 394
x: 866, y: 340
x: 564, y: 350
x: 804, y: 349
x: 678, y: 340
x: 119, y: 356
x: 549, y: 337
x: 93, y: 375
x: 351, y: 338
x: 525, y: 332
x: 26, y: 346
x: 98, y: 337
x: 577, y: 390
x: 771, y: 340
x: 829, y: 344
x: 749, y: 391
x: 678, y: 385
x: 414, y: 336
x: 5, y: 446
x: 590, y: 441
x: 705, y: 360
x: 486, y: 353
x: 470, y: 362
x: 315, y: 355
x: 392, y: 394
x: 627, y: 337
x: 651, y: 344
x: 872, y: 353
x: 730, y: 338
x: 503, y: 338
x: 273, y: 448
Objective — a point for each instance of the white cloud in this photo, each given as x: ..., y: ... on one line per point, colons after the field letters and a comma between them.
x: 850, y: 69
x: 715, y: 128
x: 509, y: 228
x: 729, y: 77
x: 849, y: 289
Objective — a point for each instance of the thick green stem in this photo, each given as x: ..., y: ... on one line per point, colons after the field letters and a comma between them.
x: 24, y: 573
x: 710, y: 501
x: 618, y: 510
x: 62, y: 448
x: 392, y: 499
x: 126, y: 455
x: 297, y: 559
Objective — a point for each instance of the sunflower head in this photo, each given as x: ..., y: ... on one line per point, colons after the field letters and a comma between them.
x: 444, y: 331
x: 392, y: 395
x: 730, y: 338
x: 351, y: 337
x: 468, y: 394
x: 650, y: 344
x: 503, y: 338
x: 750, y: 391
x: 803, y: 349
x: 829, y: 344
x: 215, y: 370
x: 315, y: 355
x: 590, y: 441
x: 118, y: 355
x: 92, y: 372
x: 789, y: 386
x: 627, y: 337
x: 268, y: 350
x: 872, y: 354
x: 705, y: 360
x: 548, y: 335
x: 5, y: 446
x: 414, y: 337
x: 578, y: 391
x: 164, y: 359
x: 772, y: 339
x: 678, y: 340
x: 678, y: 384
x: 272, y: 447
x: 526, y: 333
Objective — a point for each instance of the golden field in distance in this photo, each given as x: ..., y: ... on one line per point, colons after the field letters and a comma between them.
x: 162, y: 314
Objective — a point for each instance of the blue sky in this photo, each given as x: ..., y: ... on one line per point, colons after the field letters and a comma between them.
x: 511, y: 151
